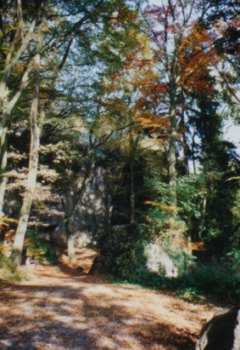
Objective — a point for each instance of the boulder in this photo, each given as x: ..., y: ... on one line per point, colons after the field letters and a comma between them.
x: 159, y: 261
x: 222, y: 332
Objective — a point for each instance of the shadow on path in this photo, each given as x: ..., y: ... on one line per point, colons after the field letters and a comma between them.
x: 82, y: 313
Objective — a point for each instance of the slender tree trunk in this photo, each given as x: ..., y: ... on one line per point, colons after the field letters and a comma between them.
x: 132, y: 152
x: 3, y: 148
x: 193, y: 153
x: 6, y: 108
x: 172, y: 159
x: 71, y: 247
x: 184, y: 145
x: 32, y: 176
x: 3, y: 165
x: 3, y: 183
x: 132, y: 192
x: 7, y: 104
x: 108, y: 211
x: 69, y: 213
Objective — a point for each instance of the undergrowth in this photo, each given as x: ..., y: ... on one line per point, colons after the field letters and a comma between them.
x: 206, y: 282
x: 9, y: 272
x: 39, y: 249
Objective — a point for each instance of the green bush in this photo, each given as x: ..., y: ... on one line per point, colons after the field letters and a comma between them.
x: 190, y: 196
x: 190, y: 294
x: 212, y: 282
x: 9, y: 271
x: 123, y: 251
x: 39, y: 249
x: 234, y: 257
x: 215, y: 280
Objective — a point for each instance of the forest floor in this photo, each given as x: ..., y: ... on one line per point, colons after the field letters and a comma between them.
x: 61, y: 308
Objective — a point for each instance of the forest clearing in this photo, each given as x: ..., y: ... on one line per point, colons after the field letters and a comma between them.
x: 119, y: 174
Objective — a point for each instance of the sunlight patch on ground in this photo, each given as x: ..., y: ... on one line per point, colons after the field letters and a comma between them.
x: 57, y: 310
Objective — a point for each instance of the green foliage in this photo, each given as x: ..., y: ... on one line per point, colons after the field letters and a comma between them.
x: 191, y: 294
x: 215, y: 281
x: 190, y: 197
x: 182, y: 260
x: 158, y: 209
x: 208, y: 204
x: 191, y: 193
x: 6, y: 263
x: 123, y: 251
x: 9, y: 271
x: 39, y: 249
x: 234, y: 259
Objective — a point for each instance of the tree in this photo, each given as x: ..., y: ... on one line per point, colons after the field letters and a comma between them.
x: 169, y: 25
x: 35, y: 131
x: 13, y: 46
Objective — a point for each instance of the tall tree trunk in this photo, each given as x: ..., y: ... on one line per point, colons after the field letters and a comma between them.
x: 133, y: 141
x: 172, y: 159
x: 71, y: 247
x: 7, y: 104
x: 132, y: 192
x: 3, y: 165
x: 6, y: 108
x: 32, y: 175
x: 193, y: 155
x: 3, y: 137
x: 69, y: 213
x: 184, y: 145
x: 3, y: 182
x: 108, y: 204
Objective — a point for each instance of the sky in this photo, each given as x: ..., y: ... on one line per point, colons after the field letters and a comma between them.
x: 232, y: 133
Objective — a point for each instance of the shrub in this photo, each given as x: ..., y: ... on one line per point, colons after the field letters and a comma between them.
x: 213, y: 281
x: 8, y: 270
x: 217, y: 280
x: 123, y: 251
x: 39, y: 249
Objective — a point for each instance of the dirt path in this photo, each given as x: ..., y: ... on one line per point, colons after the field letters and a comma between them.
x: 60, y: 311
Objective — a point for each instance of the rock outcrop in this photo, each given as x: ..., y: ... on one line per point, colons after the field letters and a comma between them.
x: 222, y: 332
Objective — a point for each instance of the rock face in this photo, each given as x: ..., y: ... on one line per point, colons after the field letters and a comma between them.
x: 169, y: 254
x: 91, y: 214
x: 222, y: 332
x: 158, y: 260
x: 92, y: 210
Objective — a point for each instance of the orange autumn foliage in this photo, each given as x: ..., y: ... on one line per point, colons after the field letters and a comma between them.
x: 196, y: 55
x: 148, y: 121
x: 197, y: 246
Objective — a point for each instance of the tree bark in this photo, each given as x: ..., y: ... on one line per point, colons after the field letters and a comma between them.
x: 172, y: 159
x: 3, y: 165
x: 7, y: 104
x: 132, y: 191
x: 133, y: 141
x: 3, y: 182
x: 193, y: 146
x: 6, y: 108
x: 71, y: 247
x: 32, y: 174
x: 184, y: 145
